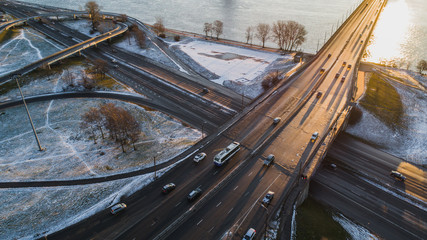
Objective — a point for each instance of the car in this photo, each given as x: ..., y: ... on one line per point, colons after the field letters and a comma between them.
x: 116, y: 66
x: 199, y: 157
x: 329, y: 55
x: 268, y: 198
x: 333, y: 166
x: 344, y: 63
x: 361, y: 41
x: 322, y: 71
x: 250, y: 234
x: 113, y: 60
x: 269, y: 160
x: 319, y: 94
x: 337, y: 75
x: 397, y: 175
x: 343, y: 79
x: 114, y: 50
x: 194, y: 194
x: 168, y: 188
x: 205, y: 90
x: 314, y: 136
x: 349, y: 67
x: 117, y: 208
x: 276, y: 120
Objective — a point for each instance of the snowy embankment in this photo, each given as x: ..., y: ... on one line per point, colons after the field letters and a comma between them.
x: 408, y: 142
x: 238, y: 68
x: 24, y: 47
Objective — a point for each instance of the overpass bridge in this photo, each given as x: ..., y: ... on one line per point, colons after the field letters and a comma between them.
x: 316, y: 99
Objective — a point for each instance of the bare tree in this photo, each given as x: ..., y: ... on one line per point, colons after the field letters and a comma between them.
x: 294, y: 35
x: 123, y: 17
x: 262, y: 32
x: 140, y: 38
x: 93, y: 119
x: 93, y: 9
x: 278, y: 33
x: 100, y: 67
x: 218, y: 28
x: 207, y: 29
x: 68, y: 77
x: 408, y: 64
x: 422, y: 66
x: 158, y: 26
x: 87, y: 82
x: 249, y: 34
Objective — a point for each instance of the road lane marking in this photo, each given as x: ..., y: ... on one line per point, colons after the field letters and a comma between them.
x: 215, y: 173
x: 246, y: 194
x: 250, y: 174
x: 235, y: 188
x: 178, y: 204
x: 211, y: 229
x: 230, y: 210
x: 199, y: 222
x: 218, y: 204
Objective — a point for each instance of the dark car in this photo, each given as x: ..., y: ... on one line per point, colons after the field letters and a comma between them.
x: 118, y: 208
x: 397, y: 175
x: 269, y: 160
x: 337, y: 75
x: 319, y: 94
x: 194, y: 194
x: 168, y: 188
x: 268, y: 198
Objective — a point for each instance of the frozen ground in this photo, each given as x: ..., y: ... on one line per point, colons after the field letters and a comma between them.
x: 356, y: 231
x: 238, y: 68
x: 409, y: 144
x: 24, y: 47
x: 70, y: 153
x: 31, y: 213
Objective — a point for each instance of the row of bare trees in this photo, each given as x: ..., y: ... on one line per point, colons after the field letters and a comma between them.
x: 288, y: 35
x: 216, y: 28
x: 138, y: 34
x: 120, y: 124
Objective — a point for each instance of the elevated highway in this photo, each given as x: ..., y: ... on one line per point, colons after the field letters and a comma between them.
x: 230, y: 201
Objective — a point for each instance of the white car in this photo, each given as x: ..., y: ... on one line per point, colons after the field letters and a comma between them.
x: 199, y: 157
x: 250, y: 234
x: 314, y: 136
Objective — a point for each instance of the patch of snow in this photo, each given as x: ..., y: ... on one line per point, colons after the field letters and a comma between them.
x: 408, y: 144
x: 356, y: 231
x: 228, y: 62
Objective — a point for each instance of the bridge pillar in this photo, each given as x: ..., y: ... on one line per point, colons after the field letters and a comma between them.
x: 303, y: 195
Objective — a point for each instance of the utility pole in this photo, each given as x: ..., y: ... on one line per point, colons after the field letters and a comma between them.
x: 266, y: 222
x: 16, y: 77
x: 155, y: 172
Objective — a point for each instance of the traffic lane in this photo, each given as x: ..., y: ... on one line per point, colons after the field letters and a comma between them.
x: 177, y: 205
x: 375, y: 209
x: 235, y: 205
x: 376, y: 165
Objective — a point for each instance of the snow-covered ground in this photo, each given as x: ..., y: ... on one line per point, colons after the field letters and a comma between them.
x: 409, y: 144
x: 356, y: 231
x: 25, y: 46
x: 70, y: 153
x: 238, y: 68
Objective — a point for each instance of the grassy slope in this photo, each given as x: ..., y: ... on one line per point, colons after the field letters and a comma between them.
x: 383, y: 101
x: 314, y: 221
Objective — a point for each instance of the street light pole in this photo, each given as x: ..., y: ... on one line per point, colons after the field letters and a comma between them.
x: 16, y: 77
x: 266, y: 222
x: 155, y: 174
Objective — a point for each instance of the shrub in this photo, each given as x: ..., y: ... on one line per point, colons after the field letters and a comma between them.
x: 177, y: 38
x: 162, y: 35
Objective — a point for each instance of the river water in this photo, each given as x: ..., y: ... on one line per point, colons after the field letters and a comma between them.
x: 401, y: 33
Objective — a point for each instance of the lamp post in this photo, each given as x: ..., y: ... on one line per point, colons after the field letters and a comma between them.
x: 266, y: 222
x: 203, y: 125
x: 155, y: 168
x: 16, y: 77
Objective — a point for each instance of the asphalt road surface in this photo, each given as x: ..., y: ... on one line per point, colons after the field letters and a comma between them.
x: 362, y: 189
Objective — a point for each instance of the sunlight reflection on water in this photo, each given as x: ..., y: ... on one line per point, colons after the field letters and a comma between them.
x: 399, y: 37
